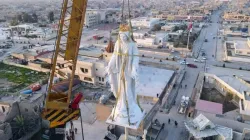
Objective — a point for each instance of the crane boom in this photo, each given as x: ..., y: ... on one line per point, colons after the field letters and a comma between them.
x: 71, y: 23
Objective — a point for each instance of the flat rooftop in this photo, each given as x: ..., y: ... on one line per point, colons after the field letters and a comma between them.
x: 86, y: 56
x: 226, y: 132
x: 152, y: 81
x: 235, y: 83
x: 241, y: 44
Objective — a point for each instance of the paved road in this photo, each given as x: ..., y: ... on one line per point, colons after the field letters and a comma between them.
x: 15, y: 48
x: 171, y: 132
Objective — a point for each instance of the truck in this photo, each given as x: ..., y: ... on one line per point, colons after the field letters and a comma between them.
x: 183, y: 105
x: 96, y: 37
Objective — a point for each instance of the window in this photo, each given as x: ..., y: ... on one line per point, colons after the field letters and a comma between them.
x: 96, y: 69
x: 3, y: 109
x: 101, y: 79
x: 248, y: 52
x: 84, y: 70
x: 87, y: 79
x: 70, y: 67
x: 60, y: 65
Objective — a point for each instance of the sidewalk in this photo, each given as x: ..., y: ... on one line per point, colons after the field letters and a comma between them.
x: 171, y: 132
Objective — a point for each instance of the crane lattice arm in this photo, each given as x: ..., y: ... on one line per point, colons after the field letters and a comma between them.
x: 58, y: 109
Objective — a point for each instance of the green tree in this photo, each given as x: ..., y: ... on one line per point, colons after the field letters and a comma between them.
x: 19, y: 18
x: 176, y: 28
x: 14, y: 22
x: 157, y: 27
x: 34, y: 17
x: 51, y: 16
x: 26, y: 17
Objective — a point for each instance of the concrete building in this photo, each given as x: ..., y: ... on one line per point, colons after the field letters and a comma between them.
x: 90, y: 67
x: 236, y: 86
x: 145, y: 39
x: 202, y: 128
x: 168, y: 28
x: 96, y: 16
x: 232, y: 17
x: 169, y: 17
x: 145, y: 22
x: 91, y: 19
x: 237, y: 50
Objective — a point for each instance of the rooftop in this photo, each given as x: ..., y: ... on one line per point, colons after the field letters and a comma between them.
x: 146, y: 18
x: 235, y: 83
x: 209, y: 107
x: 160, y: 77
x: 241, y: 44
x: 210, y: 129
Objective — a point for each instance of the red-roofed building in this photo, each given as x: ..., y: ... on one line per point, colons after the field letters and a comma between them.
x: 210, y: 107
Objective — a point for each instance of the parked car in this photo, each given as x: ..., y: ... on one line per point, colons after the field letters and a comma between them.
x: 202, y: 61
x: 196, y: 60
x: 184, y: 63
x: 177, y: 57
x: 203, y: 54
x: 204, y: 58
x: 192, y: 65
x: 205, y: 40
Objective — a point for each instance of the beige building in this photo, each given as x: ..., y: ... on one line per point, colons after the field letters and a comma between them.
x: 238, y: 50
x: 235, y: 17
x: 231, y: 84
x: 91, y: 18
x: 90, y: 67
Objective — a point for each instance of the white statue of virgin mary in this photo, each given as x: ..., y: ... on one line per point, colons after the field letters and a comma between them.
x: 123, y: 75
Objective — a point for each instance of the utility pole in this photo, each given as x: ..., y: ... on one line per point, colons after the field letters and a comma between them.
x: 188, y: 41
x: 216, y: 44
x: 205, y: 66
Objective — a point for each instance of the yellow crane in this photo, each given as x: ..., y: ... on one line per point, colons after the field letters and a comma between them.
x: 59, y: 107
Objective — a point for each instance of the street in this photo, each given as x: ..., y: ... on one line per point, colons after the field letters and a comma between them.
x: 170, y: 132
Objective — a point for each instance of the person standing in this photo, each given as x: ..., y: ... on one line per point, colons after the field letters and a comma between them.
x: 75, y: 130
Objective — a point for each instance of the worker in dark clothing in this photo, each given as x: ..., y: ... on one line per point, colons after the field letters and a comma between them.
x: 168, y: 121
x: 175, y: 122
x: 71, y: 123
x: 75, y: 130
x: 185, y: 86
x: 72, y: 134
x: 67, y: 136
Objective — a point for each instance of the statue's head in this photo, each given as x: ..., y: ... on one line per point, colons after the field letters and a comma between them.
x: 124, y: 33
